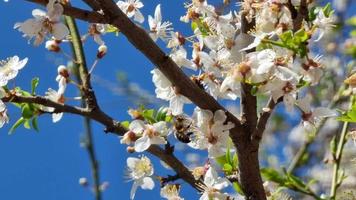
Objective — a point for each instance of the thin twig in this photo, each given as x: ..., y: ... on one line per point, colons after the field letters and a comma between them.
x: 335, y: 183
x: 78, y: 52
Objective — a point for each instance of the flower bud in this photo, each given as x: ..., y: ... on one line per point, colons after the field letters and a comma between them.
x: 63, y: 71
x: 52, y: 45
x: 130, y: 149
x: 83, y: 181
x: 101, y: 51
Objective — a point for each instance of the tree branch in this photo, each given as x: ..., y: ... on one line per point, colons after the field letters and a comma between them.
x: 143, y: 42
x: 88, y: 98
x: 85, y: 15
x: 262, y: 121
x: 114, y: 127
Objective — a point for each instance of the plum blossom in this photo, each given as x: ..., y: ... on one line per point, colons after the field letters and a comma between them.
x: 150, y: 134
x: 166, y: 91
x: 158, y: 29
x: 44, y: 23
x: 9, y: 69
x: 323, y: 24
x: 171, y: 192
x: 213, y: 133
x: 310, y: 118
x: 131, y: 9
x: 214, y: 185
x: 140, y: 170
x: 179, y: 56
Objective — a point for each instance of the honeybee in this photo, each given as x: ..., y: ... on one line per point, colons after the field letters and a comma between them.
x: 183, y: 128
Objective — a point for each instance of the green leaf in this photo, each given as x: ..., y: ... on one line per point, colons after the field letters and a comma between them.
x: 286, y: 36
x: 333, y: 145
x: 312, y: 13
x: 237, y: 188
x: 228, y: 155
x: 273, y: 175
x: 349, y: 116
x: 227, y: 168
x: 34, y: 84
x: 235, y: 161
x: 161, y: 114
x: 27, y: 111
x: 327, y: 9
x: 35, y: 124
x: 149, y: 115
x: 16, y: 125
x: 296, y: 181
x: 112, y: 29
x: 125, y: 124
x: 27, y: 124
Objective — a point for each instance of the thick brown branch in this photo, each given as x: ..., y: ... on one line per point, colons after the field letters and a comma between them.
x: 93, y: 4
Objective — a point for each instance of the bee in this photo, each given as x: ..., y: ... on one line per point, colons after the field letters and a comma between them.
x: 183, y: 128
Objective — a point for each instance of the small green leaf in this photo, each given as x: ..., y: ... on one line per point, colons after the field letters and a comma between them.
x: 35, y: 124
x: 235, y: 161
x: 27, y: 124
x: 125, y: 124
x: 237, y: 188
x: 27, y: 111
x: 273, y: 175
x: 149, y: 115
x: 34, y: 84
x: 227, y: 168
x: 16, y: 125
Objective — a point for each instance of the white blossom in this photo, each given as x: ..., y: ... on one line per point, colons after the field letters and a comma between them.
x: 310, y: 118
x: 171, y: 192
x: 214, y: 184
x: 131, y: 9
x: 323, y: 24
x: 158, y: 29
x: 9, y: 69
x: 164, y: 90
x: 150, y: 134
x: 213, y: 133
x: 140, y: 170
x: 44, y: 23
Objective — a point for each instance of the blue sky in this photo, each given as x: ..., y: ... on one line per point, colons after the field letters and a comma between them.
x: 48, y: 164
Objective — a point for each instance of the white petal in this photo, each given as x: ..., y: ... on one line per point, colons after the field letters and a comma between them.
x: 219, y: 116
x: 56, y: 117
x: 131, y: 162
x: 158, y: 15
x: 176, y: 105
x: 137, y: 126
x: 60, y: 31
x: 142, y: 144
x: 139, y: 17
x: 133, y: 190
x: 148, y: 183
x: 158, y: 140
